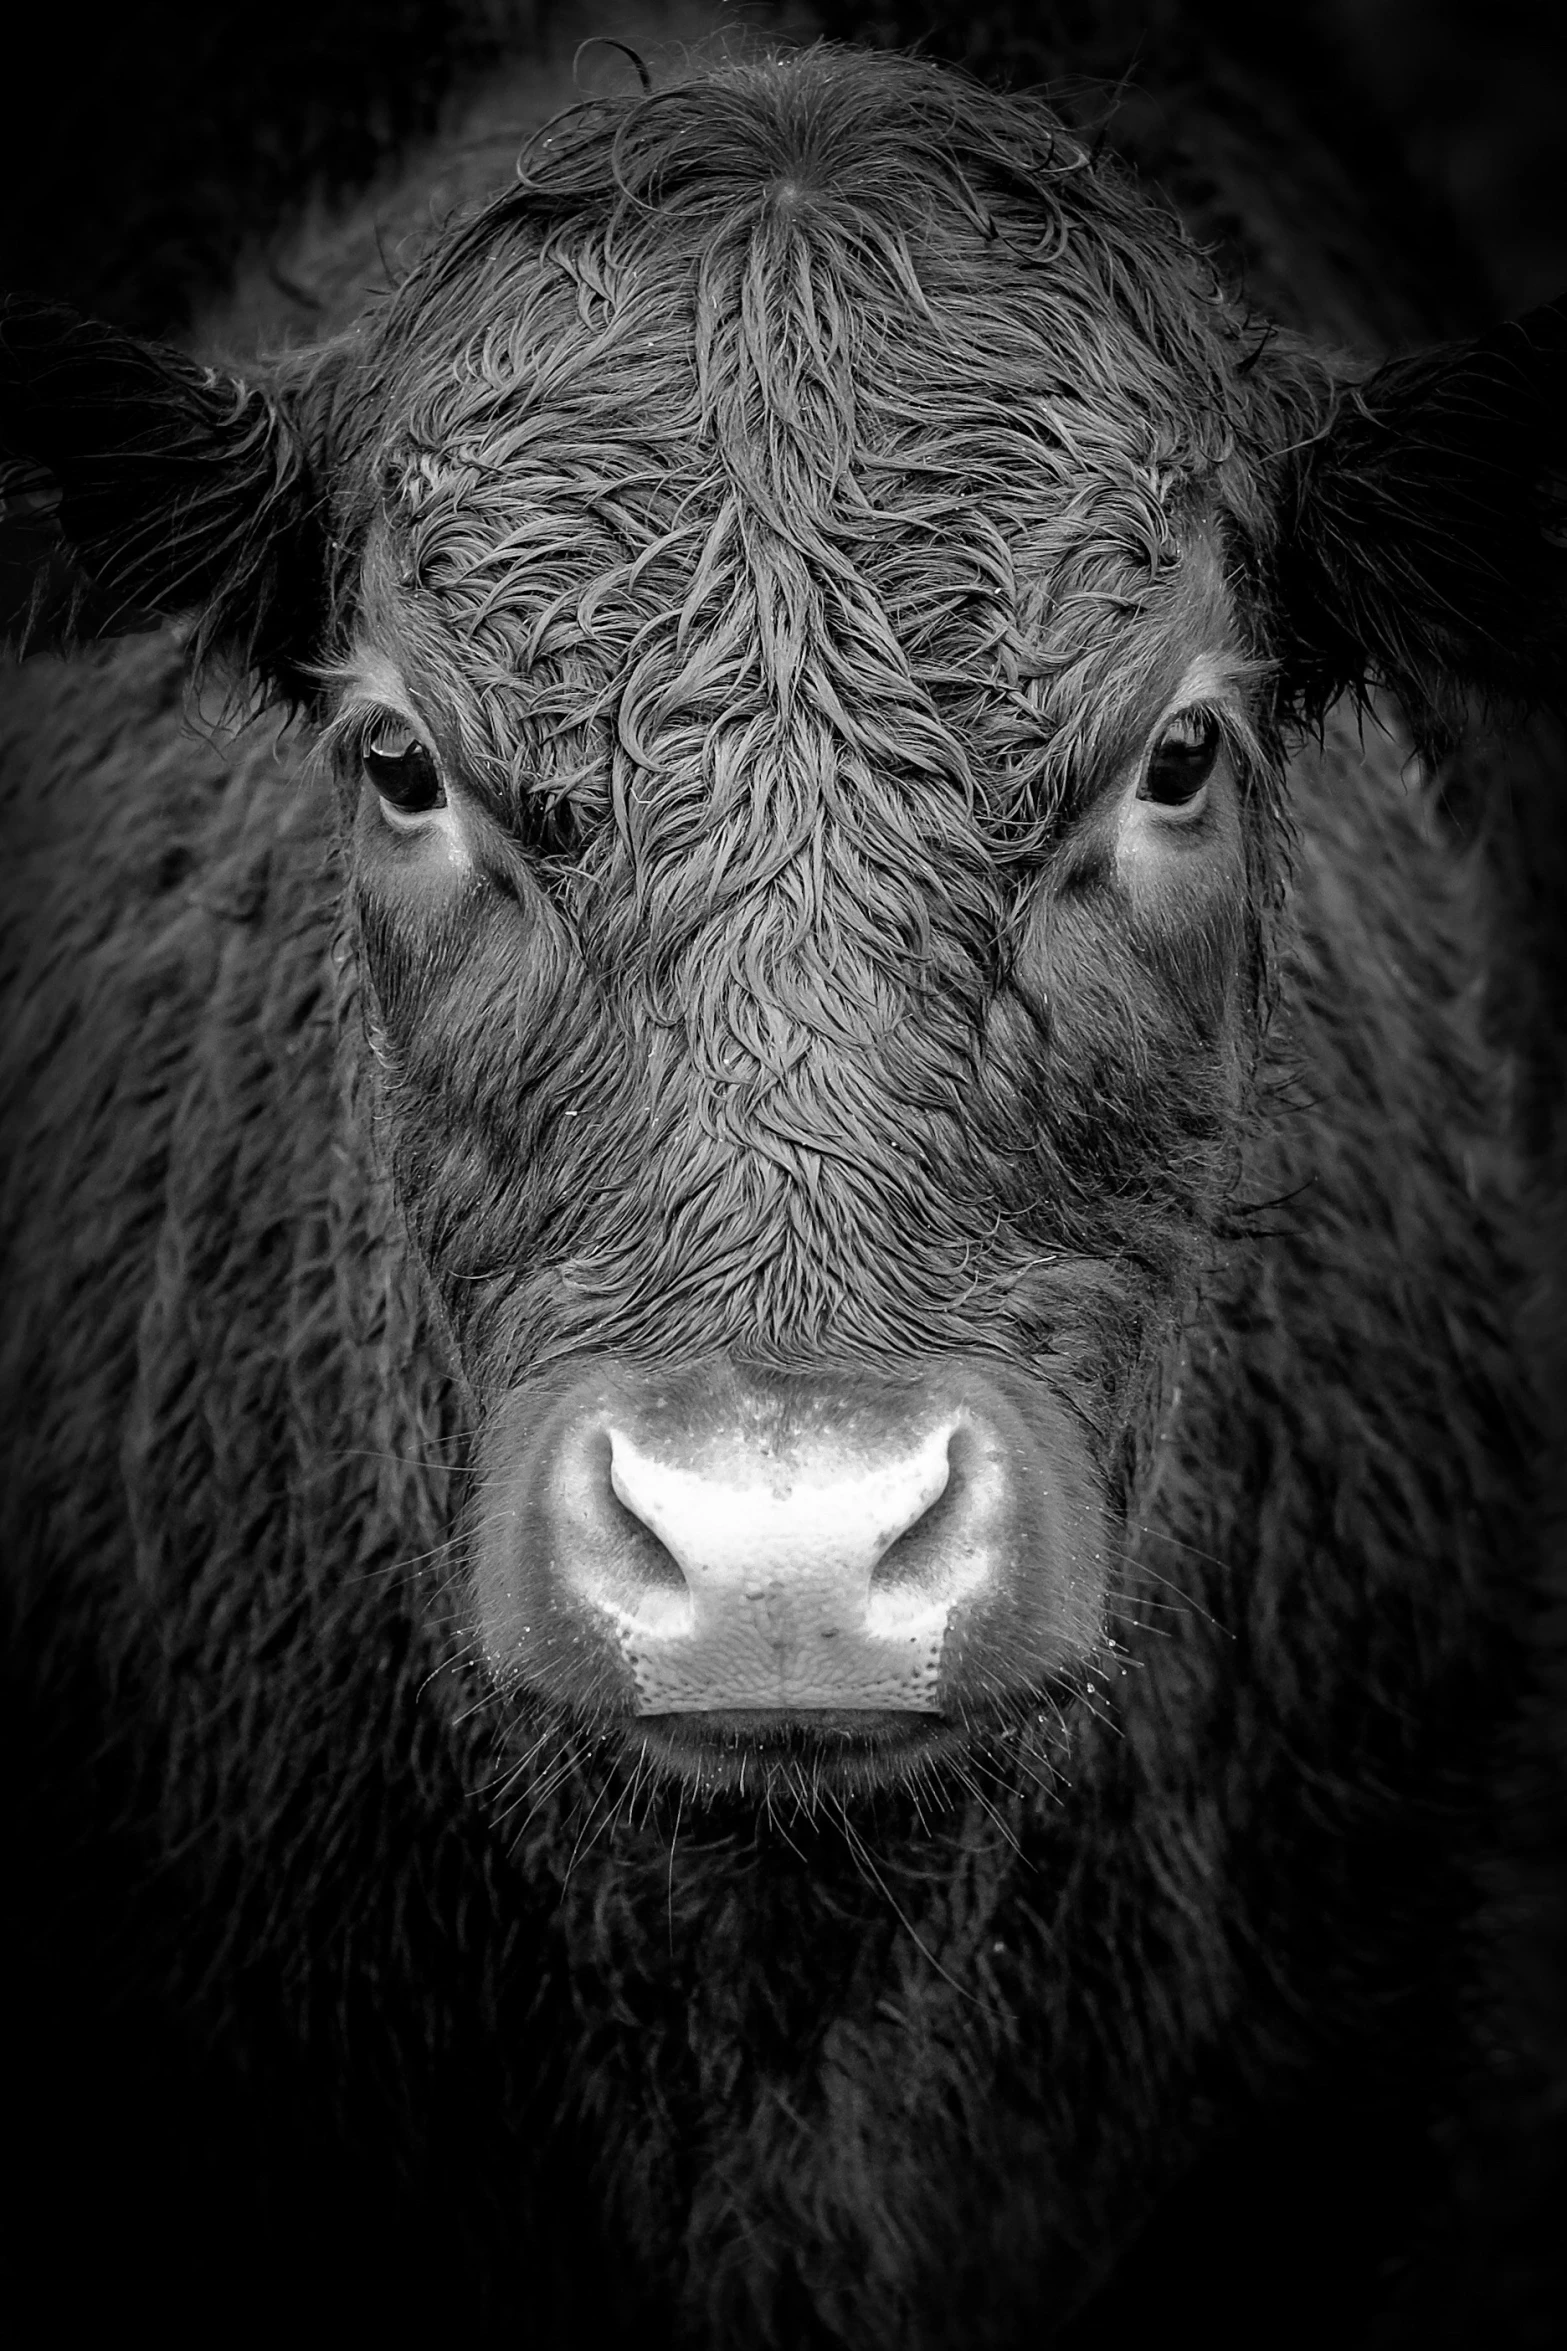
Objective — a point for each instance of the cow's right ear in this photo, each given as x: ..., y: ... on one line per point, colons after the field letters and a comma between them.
x: 173, y: 488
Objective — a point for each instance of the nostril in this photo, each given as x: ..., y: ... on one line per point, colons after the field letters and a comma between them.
x: 603, y: 1548
x: 633, y: 1502
x: 945, y: 1554
x: 907, y: 1561
x: 656, y: 1563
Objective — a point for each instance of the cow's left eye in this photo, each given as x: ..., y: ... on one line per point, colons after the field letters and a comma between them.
x: 402, y: 770
x: 1181, y: 762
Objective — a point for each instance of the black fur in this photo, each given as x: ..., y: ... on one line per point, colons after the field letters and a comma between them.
x: 180, y: 487
x: 1426, y: 536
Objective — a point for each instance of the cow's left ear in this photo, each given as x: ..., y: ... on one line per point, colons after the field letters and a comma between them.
x: 1423, y: 533
x: 176, y: 489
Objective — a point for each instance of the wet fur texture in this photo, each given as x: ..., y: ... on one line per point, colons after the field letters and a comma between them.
x: 912, y: 2071
x: 813, y: 2068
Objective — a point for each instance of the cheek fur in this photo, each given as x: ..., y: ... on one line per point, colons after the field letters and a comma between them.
x: 1141, y: 1026
x: 1173, y: 902
x: 464, y: 971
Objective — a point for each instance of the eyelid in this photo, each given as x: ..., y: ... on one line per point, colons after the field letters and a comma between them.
x: 360, y: 728
x: 387, y: 723
x: 1196, y: 716
x: 1190, y: 714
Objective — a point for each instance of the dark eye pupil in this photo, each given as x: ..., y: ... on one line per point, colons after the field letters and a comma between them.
x: 1182, y: 761
x: 406, y: 777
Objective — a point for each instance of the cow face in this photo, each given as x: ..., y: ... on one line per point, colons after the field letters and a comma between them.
x: 815, y: 575
x: 809, y: 817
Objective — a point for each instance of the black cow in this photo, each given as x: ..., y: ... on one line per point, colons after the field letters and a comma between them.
x: 776, y: 1487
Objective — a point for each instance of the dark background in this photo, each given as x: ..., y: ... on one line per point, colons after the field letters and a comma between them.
x: 144, y: 153
x: 144, y: 150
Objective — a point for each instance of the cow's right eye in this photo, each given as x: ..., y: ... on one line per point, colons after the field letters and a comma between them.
x: 402, y: 771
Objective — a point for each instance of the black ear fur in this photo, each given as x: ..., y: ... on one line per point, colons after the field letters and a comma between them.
x: 180, y: 488
x: 1424, y: 534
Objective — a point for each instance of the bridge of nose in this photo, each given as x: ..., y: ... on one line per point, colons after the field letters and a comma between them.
x: 777, y: 1554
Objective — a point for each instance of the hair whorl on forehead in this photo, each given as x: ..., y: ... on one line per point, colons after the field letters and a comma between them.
x: 907, y: 173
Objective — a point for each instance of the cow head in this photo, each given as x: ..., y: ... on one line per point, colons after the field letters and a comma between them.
x: 801, y: 599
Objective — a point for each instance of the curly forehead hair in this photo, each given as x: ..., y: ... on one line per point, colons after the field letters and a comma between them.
x: 830, y: 396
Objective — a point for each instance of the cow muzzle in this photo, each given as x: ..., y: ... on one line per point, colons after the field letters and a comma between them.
x: 713, y: 1541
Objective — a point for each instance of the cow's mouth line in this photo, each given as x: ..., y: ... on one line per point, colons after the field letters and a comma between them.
x: 795, y: 1763
x: 791, y: 1764
x: 837, y: 1749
